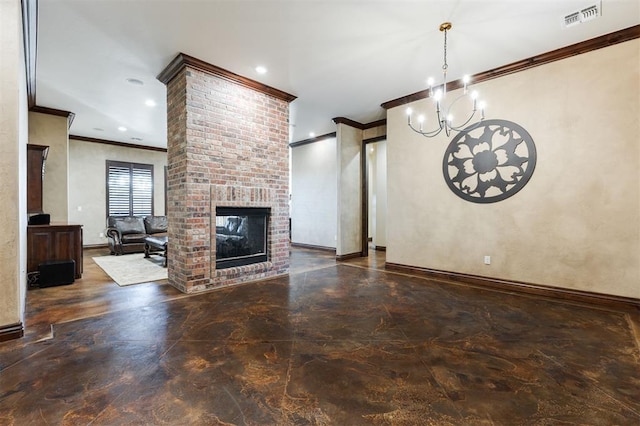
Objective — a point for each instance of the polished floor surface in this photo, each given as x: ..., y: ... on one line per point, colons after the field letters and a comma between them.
x: 332, y: 343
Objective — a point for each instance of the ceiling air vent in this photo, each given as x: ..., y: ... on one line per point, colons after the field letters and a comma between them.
x: 571, y: 20
x: 591, y: 12
x: 586, y: 14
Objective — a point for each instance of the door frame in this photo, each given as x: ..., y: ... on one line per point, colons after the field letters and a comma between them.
x: 364, y: 192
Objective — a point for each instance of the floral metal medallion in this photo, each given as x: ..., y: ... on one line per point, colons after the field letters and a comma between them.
x: 489, y: 162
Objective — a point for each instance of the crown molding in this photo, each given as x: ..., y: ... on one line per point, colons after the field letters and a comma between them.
x: 30, y: 40
x: 52, y: 111
x: 607, y: 40
x: 361, y: 126
x: 378, y: 123
x: 121, y: 144
x: 374, y: 140
x: 312, y: 140
x: 348, y: 122
x: 182, y: 61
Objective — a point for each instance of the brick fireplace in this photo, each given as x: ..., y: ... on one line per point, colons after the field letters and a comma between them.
x: 227, y: 147
x: 241, y: 236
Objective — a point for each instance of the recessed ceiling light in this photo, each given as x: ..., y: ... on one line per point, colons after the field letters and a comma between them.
x: 312, y: 135
x: 98, y: 129
x: 136, y: 139
x: 122, y: 129
x: 150, y: 103
x: 135, y: 81
x: 261, y: 69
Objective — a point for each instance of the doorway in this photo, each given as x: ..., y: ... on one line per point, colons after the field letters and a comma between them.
x: 374, y: 194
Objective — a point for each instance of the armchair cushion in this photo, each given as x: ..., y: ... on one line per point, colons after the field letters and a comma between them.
x: 155, y: 224
x: 133, y: 238
x: 130, y: 225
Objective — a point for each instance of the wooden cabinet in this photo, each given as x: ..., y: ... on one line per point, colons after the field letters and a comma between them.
x: 36, y: 157
x: 54, y: 242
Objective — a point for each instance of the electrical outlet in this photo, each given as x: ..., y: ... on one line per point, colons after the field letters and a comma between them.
x: 487, y: 260
x: 101, y: 235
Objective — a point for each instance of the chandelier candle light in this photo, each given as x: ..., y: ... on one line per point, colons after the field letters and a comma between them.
x: 443, y: 112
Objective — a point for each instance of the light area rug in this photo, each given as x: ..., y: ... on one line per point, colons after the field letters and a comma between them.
x: 132, y: 268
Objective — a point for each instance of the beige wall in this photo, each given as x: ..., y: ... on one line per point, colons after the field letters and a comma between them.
x: 13, y: 140
x: 374, y: 132
x: 349, y: 174
x: 53, y: 131
x: 314, y: 193
x: 349, y: 235
x: 87, y: 187
x: 576, y: 224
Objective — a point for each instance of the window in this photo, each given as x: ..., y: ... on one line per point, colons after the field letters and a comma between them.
x: 129, y: 189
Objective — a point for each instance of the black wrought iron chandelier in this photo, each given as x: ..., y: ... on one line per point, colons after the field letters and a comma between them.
x: 445, y: 119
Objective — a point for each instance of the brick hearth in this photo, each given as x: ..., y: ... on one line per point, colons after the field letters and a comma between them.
x: 227, y: 146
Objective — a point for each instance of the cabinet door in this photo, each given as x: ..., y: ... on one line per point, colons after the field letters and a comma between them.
x: 50, y: 243
x: 39, y: 247
x: 67, y: 244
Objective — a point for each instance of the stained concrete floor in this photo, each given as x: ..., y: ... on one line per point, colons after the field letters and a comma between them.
x: 332, y: 343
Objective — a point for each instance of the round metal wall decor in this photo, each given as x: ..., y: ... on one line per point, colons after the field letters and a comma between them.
x: 489, y: 161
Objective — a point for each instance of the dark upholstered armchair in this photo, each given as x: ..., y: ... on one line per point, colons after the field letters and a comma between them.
x: 126, y: 234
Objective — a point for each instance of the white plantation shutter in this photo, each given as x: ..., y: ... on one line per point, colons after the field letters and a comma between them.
x: 118, y: 184
x: 129, y: 189
x: 141, y: 191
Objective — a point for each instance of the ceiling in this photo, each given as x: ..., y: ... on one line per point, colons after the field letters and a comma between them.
x: 340, y: 58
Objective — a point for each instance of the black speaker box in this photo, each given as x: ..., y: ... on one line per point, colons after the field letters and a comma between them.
x: 56, y: 272
x: 40, y: 219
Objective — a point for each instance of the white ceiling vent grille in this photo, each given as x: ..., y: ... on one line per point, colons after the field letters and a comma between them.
x: 571, y: 20
x: 587, y: 14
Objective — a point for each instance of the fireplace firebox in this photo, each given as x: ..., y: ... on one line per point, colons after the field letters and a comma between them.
x: 241, y: 236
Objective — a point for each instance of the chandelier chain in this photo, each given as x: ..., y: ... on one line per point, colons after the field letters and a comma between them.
x: 445, y: 65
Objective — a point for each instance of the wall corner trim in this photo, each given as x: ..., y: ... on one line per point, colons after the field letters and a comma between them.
x: 313, y: 247
x: 11, y: 331
x: 626, y: 304
x: 348, y: 256
x: 182, y: 61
